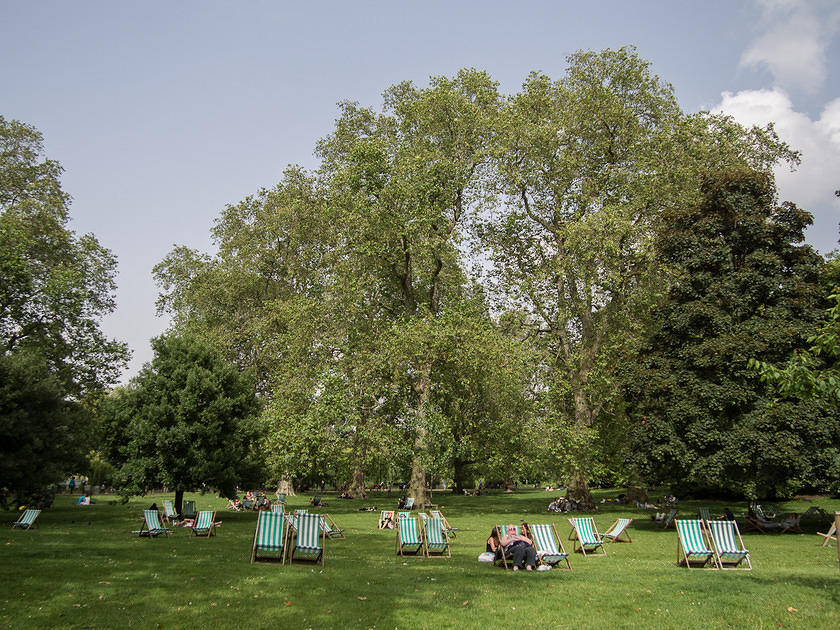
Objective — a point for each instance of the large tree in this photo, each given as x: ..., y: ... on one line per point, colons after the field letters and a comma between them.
x: 55, y: 286
x: 184, y: 421
x: 743, y: 286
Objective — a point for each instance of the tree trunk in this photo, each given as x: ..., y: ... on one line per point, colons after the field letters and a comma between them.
x: 286, y: 487
x: 578, y: 490
x: 179, y: 502
x: 417, y: 483
x: 459, y: 472
x: 357, y: 484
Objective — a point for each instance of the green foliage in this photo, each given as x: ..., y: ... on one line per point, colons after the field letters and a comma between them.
x: 42, y: 434
x: 184, y: 421
x: 54, y: 285
x: 742, y: 287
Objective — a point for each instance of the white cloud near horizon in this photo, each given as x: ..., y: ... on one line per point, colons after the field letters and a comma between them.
x: 811, y: 186
x: 794, y: 43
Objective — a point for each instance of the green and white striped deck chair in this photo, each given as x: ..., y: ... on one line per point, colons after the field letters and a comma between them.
x: 402, y: 515
x: 409, y: 536
x: 409, y: 503
x: 669, y: 520
x: 27, y: 519
x: 188, y: 509
x: 204, y: 526
x: 499, y: 532
x: 617, y: 530
x: 278, y: 508
x: 449, y: 529
x: 281, y: 498
x: 549, y: 547
x: 704, y: 514
x: 269, y: 537
x: 386, y: 519
x: 728, y: 545
x: 151, y: 525
x: 585, y: 535
x: 437, y: 541
x: 309, y: 539
x: 692, y: 549
x: 169, y: 513
x: 248, y: 504
x: 331, y: 529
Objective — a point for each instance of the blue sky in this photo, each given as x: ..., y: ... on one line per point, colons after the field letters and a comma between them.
x: 162, y: 113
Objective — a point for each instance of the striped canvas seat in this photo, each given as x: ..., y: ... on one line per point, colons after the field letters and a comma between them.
x: 437, y: 542
x: 728, y: 545
x: 617, y: 530
x: 169, y: 513
x: 409, y: 503
x: 188, y: 509
x: 549, y: 548
x: 585, y: 535
x: 269, y: 537
x: 309, y: 538
x: 669, y: 520
x: 151, y: 524
x: 704, y: 514
x: 27, y: 519
x: 331, y: 529
x: 408, y: 536
x: 499, y: 532
x: 278, y: 508
x: 204, y: 524
x: 449, y: 529
x: 692, y: 545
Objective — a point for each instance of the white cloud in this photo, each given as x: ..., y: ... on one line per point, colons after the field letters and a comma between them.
x: 795, y: 40
x: 813, y: 184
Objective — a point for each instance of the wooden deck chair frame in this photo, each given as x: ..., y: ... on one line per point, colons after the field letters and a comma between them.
x: 436, y: 539
x: 550, y: 549
x: 692, y: 546
x: 205, y: 524
x: 831, y: 535
x: 27, y: 519
x: 499, y: 532
x: 617, y: 530
x: 730, y: 550
x: 266, y: 537
x: 669, y: 520
x: 308, y: 530
x: 151, y: 525
x: 585, y: 534
x: 405, y: 526
x: 331, y: 529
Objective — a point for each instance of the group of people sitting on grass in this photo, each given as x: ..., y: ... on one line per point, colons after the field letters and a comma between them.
x: 563, y: 504
x: 249, y: 502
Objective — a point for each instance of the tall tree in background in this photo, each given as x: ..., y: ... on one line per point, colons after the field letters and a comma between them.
x: 744, y: 286
x: 55, y: 286
x: 184, y: 421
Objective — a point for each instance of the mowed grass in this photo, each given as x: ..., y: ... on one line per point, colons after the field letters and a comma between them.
x: 82, y: 568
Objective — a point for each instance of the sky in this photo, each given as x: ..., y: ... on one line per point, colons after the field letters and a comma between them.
x: 162, y: 112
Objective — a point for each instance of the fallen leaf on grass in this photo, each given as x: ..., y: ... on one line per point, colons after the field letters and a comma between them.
x: 289, y: 603
x: 362, y: 599
x: 105, y: 582
x: 792, y: 609
x: 77, y: 605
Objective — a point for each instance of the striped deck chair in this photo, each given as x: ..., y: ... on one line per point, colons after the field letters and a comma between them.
x: 27, y: 519
x: 309, y: 539
x: 330, y: 528
x: 549, y: 547
x: 278, y: 508
x: 692, y: 549
x: 617, y: 530
x: 188, y: 509
x: 151, y: 525
x: 247, y: 504
x: 409, y: 537
x: 449, y: 529
x: 728, y: 545
x: 669, y: 520
x: 409, y: 503
x: 281, y: 498
x: 585, y: 535
x: 386, y: 519
x: 437, y: 542
x: 704, y: 514
x: 205, y: 525
x: 169, y: 513
x: 502, y: 557
x: 270, y: 537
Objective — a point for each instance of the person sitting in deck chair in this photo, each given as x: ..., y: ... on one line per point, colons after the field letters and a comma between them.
x: 523, y: 550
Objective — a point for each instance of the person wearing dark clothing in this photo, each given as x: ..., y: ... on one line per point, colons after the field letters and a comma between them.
x: 522, y: 549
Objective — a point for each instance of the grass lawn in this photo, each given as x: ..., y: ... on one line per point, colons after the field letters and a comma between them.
x: 82, y: 568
